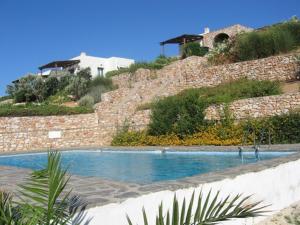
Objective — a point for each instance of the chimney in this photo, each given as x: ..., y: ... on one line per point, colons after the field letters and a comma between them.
x: 206, y: 30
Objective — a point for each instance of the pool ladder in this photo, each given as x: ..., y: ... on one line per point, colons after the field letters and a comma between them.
x: 256, y: 152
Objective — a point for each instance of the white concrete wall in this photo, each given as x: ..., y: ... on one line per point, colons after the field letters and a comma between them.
x: 279, y: 186
x: 109, y: 64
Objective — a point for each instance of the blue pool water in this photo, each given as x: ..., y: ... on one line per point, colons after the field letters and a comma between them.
x: 139, y: 167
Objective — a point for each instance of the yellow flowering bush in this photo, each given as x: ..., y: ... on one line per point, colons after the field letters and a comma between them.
x: 213, y: 135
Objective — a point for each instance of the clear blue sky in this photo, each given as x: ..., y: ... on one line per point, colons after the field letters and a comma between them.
x: 34, y: 32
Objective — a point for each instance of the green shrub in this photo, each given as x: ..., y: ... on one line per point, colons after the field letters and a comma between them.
x: 98, y: 86
x: 276, y: 39
x: 51, y: 86
x: 260, y: 44
x: 33, y: 88
x: 286, y: 128
x: 59, y: 98
x: 102, y: 81
x: 193, y: 48
x: 64, y: 82
x: 77, y: 87
x: 85, y: 73
x: 272, y: 40
x: 221, y: 54
x: 283, y: 129
x: 183, y: 113
x: 24, y: 89
x: 239, y: 89
x: 158, y: 63
x: 180, y: 114
x: 40, y: 110
x: 293, y: 26
x: 87, y: 101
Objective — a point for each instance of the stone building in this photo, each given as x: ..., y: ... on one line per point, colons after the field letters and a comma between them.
x: 208, y: 38
x: 212, y: 38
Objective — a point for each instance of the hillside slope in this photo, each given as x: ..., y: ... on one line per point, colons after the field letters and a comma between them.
x: 145, y: 86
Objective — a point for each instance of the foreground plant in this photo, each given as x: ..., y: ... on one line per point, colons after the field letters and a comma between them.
x: 44, y: 199
x: 209, y: 211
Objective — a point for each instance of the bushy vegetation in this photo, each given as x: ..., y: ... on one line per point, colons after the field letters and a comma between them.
x: 52, y: 91
x: 283, y: 129
x: 182, y: 114
x: 221, y: 54
x: 179, y: 119
x: 33, y: 88
x: 97, y: 87
x: 179, y: 114
x: 29, y: 109
x: 208, y: 135
x: 158, y: 63
x: 193, y: 49
x: 87, y: 101
x: 263, y: 43
x: 276, y: 39
x: 59, y: 98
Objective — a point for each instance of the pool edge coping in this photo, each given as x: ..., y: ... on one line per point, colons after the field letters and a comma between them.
x: 188, y: 182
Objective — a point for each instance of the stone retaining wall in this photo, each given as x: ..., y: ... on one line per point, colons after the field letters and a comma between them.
x: 34, y: 133
x: 140, y: 120
x: 257, y: 107
x: 144, y: 86
x: 195, y: 72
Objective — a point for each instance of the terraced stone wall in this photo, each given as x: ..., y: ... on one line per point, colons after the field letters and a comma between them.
x: 195, y: 72
x: 144, y: 86
x: 257, y: 107
x: 37, y: 133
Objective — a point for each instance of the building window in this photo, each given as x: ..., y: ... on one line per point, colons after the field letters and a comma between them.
x: 100, y: 71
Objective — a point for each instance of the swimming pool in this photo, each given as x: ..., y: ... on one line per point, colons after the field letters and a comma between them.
x: 139, y: 166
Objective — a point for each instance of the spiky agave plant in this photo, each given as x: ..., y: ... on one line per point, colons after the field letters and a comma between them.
x: 209, y: 210
x: 44, y: 199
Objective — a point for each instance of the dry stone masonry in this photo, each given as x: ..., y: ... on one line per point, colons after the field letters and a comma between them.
x: 257, y: 107
x: 144, y: 86
x: 232, y: 31
x: 36, y: 133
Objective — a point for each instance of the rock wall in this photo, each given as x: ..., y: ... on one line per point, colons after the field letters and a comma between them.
x: 240, y: 109
x: 119, y: 106
x: 195, y: 72
x: 208, y: 39
x: 257, y: 107
x: 36, y: 133
x: 145, y: 86
x: 140, y: 119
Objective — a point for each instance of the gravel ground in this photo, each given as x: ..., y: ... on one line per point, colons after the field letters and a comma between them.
x: 287, y: 216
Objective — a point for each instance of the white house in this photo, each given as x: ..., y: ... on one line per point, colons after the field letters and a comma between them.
x: 98, y: 66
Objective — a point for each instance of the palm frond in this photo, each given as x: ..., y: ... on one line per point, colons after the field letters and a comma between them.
x: 209, y: 210
x: 44, y: 195
x: 6, y: 209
